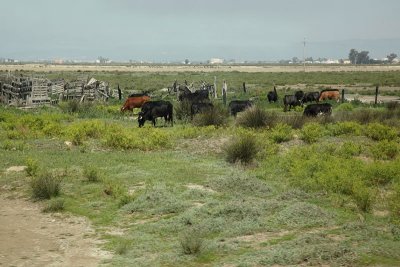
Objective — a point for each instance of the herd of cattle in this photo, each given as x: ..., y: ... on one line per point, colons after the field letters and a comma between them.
x: 199, y: 102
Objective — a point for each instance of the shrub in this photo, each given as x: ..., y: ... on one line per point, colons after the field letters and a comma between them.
x: 54, y: 205
x: 395, y: 201
x: 91, y: 174
x: 345, y: 107
x: 350, y: 149
x: 345, y: 128
x: 378, y: 132
x: 311, y: 132
x: 363, y: 196
x: 297, y: 121
x: 256, y: 117
x: 191, y: 242
x: 32, y: 167
x: 216, y: 116
x: 123, y: 246
x: 385, y: 150
x: 281, y: 133
x: 183, y: 110
x: 45, y: 185
x: 382, y: 173
x: 241, y: 149
x: 393, y: 105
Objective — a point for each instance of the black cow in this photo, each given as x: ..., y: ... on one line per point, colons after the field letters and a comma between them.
x: 236, y: 106
x: 313, y: 110
x: 299, y: 95
x: 153, y: 109
x: 195, y: 97
x: 291, y: 101
x: 272, y: 96
x: 200, y: 108
x: 310, y: 97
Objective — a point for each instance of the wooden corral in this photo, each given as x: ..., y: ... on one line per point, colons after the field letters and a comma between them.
x: 36, y: 91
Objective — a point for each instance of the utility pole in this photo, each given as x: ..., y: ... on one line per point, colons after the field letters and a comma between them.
x: 304, y: 54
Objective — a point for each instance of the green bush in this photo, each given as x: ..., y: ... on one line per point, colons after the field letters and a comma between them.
x: 296, y: 121
x: 345, y: 128
x: 241, y: 149
x: 363, y: 196
x: 382, y: 173
x: 182, y: 111
x: 378, y: 132
x: 385, y: 150
x: 345, y: 107
x: 256, y: 117
x: 32, y: 167
x: 281, y: 133
x: 54, y: 205
x: 350, y: 149
x: 45, y: 185
x: 311, y: 132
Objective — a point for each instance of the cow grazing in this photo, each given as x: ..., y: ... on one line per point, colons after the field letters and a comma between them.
x: 200, y: 108
x: 236, y: 106
x: 135, y: 101
x: 311, y: 97
x: 313, y: 110
x: 329, y: 94
x: 299, y: 95
x: 272, y: 96
x: 291, y: 101
x: 153, y: 109
x: 195, y: 97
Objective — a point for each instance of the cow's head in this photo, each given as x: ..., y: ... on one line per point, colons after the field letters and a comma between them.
x: 141, y: 118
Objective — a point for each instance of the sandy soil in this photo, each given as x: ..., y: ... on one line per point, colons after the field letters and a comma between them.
x: 197, y: 68
x: 31, y: 238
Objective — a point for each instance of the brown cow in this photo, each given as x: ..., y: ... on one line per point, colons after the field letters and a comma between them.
x: 135, y: 101
x: 329, y: 94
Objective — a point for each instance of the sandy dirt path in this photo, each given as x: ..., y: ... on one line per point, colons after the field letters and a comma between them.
x: 29, y: 237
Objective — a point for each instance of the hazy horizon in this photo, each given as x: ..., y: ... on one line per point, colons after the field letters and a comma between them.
x: 154, y: 30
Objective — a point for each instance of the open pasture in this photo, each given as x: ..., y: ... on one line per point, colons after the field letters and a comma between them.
x: 288, y: 191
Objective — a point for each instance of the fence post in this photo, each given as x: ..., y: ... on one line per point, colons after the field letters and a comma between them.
x: 342, y: 95
x: 376, y: 94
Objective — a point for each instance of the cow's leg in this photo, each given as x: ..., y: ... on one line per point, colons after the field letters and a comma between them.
x: 154, y: 122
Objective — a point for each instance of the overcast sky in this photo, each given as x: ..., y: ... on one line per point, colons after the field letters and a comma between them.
x: 164, y: 30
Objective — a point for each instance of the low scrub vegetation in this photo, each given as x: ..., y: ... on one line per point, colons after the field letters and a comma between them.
x: 45, y: 185
x: 241, y: 149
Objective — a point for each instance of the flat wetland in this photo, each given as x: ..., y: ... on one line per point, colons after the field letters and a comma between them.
x: 299, y: 191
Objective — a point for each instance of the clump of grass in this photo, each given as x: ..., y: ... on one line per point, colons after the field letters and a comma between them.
x: 394, y: 203
x: 302, y: 214
x: 256, y: 117
x: 281, y: 133
x: 241, y: 149
x: 55, y: 205
x: 216, y: 116
x: 182, y: 111
x: 45, y: 185
x: 32, y: 167
x: 345, y: 107
x: 393, y: 105
x: 296, y: 121
x: 123, y: 246
x: 91, y: 174
x: 191, y: 242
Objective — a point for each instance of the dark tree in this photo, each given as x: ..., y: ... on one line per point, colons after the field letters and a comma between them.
x: 295, y: 60
x: 391, y: 57
x: 362, y: 57
x: 353, y: 56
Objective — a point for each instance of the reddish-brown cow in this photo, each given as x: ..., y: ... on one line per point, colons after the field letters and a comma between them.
x: 330, y: 94
x: 135, y: 102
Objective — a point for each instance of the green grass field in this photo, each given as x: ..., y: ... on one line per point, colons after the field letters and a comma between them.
x: 323, y: 191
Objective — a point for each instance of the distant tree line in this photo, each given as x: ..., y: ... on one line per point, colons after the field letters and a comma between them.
x: 362, y: 57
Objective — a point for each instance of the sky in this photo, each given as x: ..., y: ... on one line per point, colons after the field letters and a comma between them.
x: 175, y: 30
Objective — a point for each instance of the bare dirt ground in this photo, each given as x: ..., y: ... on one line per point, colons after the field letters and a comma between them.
x: 29, y: 237
x: 196, y: 68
